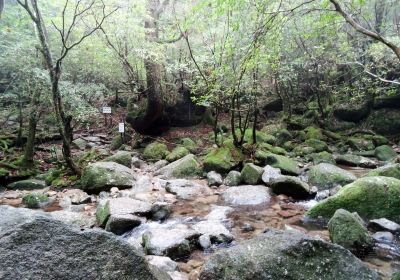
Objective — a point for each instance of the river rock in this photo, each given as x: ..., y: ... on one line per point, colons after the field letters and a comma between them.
x: 385, y: 153
x: 121, y: 157
x: 251, y: 174
x: 177, y: 153
x: 347, y: 229
x: 285, y: 164
x: 277, y: 255
x: 326, y: 176
x: 355, y: 160
x: 188, y: 166
x: 383, y: 236
x: 270, y: 173
x: 390, y: 170
x: 360, y: 144
x: 29, y: 184
x: 233, y: 178
x: 65, y: 252
x: 216, y: 231
x: 384, y: 224
x: 370, y: 197
x: 174, y: 242
x: 102, y: 176
x: 186, y: 189
x: 291, y: 186
x: 121, y: 223
x: 77, y: 196
x: 163, y: 263
x: 120, y: 206
x: 222, y: 159
x: 214, y: 178
x: 155, y: 151
x: 247, y: 195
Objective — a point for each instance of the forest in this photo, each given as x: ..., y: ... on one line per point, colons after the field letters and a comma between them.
x: 200, y: 139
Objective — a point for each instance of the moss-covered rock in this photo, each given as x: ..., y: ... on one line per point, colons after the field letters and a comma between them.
x: 347, y: 229
x: 79, y: 144
x: 312, y: 132
x: 288, y: 145
x: 116, y: 143
x: 385, y: 153
x: 233, y: 178
x: 326, y: 176
x: 222, y: 159
x: 251, y: 173
x: 35, y: 200
x: 371, y: 197
x: 29, y: 184
x: 155, y: 151
x: 384, y: 121
x: 355, y: 160
x: 278, y: 151
x: 391, y: 170
x: 188, y: 166
x: 360, y: 144
x: 121, y: 157
x: 102, y: 176
x: 303, y: 150
x: 317, y: 145
x: 283, y: 136
x: 322, y: 157
x: 380, y: 140
x: 189, y: 144
x: 396, y: 276
x: 285, y: 164
x: 177, y: 153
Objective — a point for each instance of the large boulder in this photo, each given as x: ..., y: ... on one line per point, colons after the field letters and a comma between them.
x: 188, y: 166
x: 121, y: 157
x: 33, y: 246
x: 102, y: 176
x: 385, y: 153
x: 325, y: 176
x: 29, y: 184
x: 347, y: 229
x: 247, y: 195
x: 277, y: 255
x: 370, y: 197
x: 390, y: 170
x: 352, y: 113
x: 285, y: 164
x: 291, y: 186
x: 251, y: 174
x: 222, y: 159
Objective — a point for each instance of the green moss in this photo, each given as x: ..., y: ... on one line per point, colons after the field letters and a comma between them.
x: 116, y: 143
x: 222, y: 159
x: 121, y: 157
x: 155, y: 151
x: 312, y: 132
x: 325, y: 176
x: 392, y: 170
x: 322, y: 157
x: 317, y: 145
x: 360, y: 144
x: 52, y: 175
x: 251, y: 174
x: 288, y: 145
x: 285, y: 164
x: 34, y: 200
x: 103, y: 213
x: 385, y: 153
x: 371, y: 197
x: 177, y: 153
x: 283, y: 136
x: 303, y: 150
x: 189, y: 144
x: 4, y: 172
x: 188, y: 167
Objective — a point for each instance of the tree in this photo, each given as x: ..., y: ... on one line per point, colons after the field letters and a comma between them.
x: 54, y: 66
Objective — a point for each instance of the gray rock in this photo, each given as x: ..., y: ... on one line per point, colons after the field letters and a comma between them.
x: 163, y: 263
x: 384, y: 224
x: 121, y: 206
x: 121, y: 223
x: 270, y: 173
x: 205, y: 241
x: 65, y: 252
x: 383, y: 236
x: 102, y: 176
x: 216, y: 231
x: 77, y: 196
x: 79, y: 144
x: 233, y: 178
x: 355, y: 160
x: 73, y: 218
x: 186, y: 189
x: 277, y: 255
x: 325, y: 176
x: 214, y: 178
x: 121, y: 157
x: 137, y: 162
x: 291, y: 186
x: 247, y: 195
x: 219, y: 213
x: 174, y: 242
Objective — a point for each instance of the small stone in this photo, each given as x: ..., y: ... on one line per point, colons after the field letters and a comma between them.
x: 214, y: 178
x: 383, y: 236
x: 233, y: 178
x: 205, y: 241
x: 121, y: 223
x: 270, y: 173
x: 163, y: 263
x: 251, y: 174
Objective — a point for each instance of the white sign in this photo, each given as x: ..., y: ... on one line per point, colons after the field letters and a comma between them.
x: 121, y: 127
x: 106, y: 110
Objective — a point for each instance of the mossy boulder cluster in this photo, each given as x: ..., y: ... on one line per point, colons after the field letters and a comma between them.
x: 371, y: 197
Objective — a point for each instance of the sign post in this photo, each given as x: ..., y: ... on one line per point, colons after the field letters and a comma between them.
x: 107, y: 112
x: 121, y: 129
